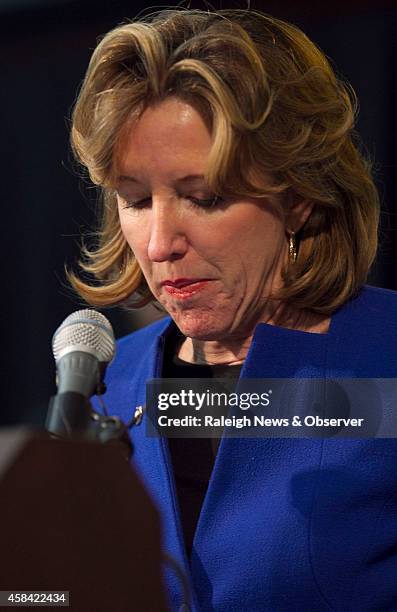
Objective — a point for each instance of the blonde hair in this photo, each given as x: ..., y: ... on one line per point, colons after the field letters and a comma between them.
x: 274, y: 106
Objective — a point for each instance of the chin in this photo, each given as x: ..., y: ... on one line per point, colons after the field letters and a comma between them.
x: 201, y: 326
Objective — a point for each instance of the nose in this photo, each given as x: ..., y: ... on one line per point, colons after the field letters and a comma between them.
x: 167, y: 240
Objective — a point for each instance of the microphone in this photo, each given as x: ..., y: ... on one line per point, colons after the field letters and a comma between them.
x: 83, y: 345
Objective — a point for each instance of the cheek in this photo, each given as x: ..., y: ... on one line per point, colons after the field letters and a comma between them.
x: 252, y: 239
x: 266, y: 235
x: 135, y: 235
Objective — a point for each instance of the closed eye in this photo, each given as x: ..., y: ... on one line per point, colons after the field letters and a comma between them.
x: 207, y: 203
x: 137, y: 204
x: 199, y: 202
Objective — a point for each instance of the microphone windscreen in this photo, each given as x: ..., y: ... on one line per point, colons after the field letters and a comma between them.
x: 85, y: 330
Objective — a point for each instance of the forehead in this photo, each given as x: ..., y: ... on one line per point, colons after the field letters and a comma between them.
x: 170, y: 137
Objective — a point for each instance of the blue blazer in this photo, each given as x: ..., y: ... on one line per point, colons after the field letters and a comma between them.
x: 294, y: 525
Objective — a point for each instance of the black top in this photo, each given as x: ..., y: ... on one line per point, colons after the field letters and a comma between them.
x: 192, y: 458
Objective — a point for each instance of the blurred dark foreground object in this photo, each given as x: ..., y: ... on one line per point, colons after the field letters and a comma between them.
x: 75, y: 517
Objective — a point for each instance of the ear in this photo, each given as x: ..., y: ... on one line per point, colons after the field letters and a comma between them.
x: 297, y: 212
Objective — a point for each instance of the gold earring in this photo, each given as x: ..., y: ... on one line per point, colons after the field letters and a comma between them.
x: 292, y: 248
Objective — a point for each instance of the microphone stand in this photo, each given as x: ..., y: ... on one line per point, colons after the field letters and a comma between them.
x: 71, y: 415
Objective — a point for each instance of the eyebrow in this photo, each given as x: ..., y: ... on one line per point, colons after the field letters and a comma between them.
x: 184, y: 179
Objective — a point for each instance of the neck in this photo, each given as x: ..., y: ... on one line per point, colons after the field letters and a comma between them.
x: 215, y: 352
x: 233, y: 350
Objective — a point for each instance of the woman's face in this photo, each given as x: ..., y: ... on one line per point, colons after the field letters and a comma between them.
x: 210, y: 266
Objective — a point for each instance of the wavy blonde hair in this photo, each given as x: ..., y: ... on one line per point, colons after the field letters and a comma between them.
x: 274, y: 106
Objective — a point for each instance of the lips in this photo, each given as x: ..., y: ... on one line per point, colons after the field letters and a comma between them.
x: 185, y: 288
x: 182, y: 282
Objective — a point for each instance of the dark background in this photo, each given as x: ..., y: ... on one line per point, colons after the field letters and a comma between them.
x: 45, y: 49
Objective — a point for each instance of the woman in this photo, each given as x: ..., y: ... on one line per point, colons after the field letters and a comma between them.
x: 236, y: 197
